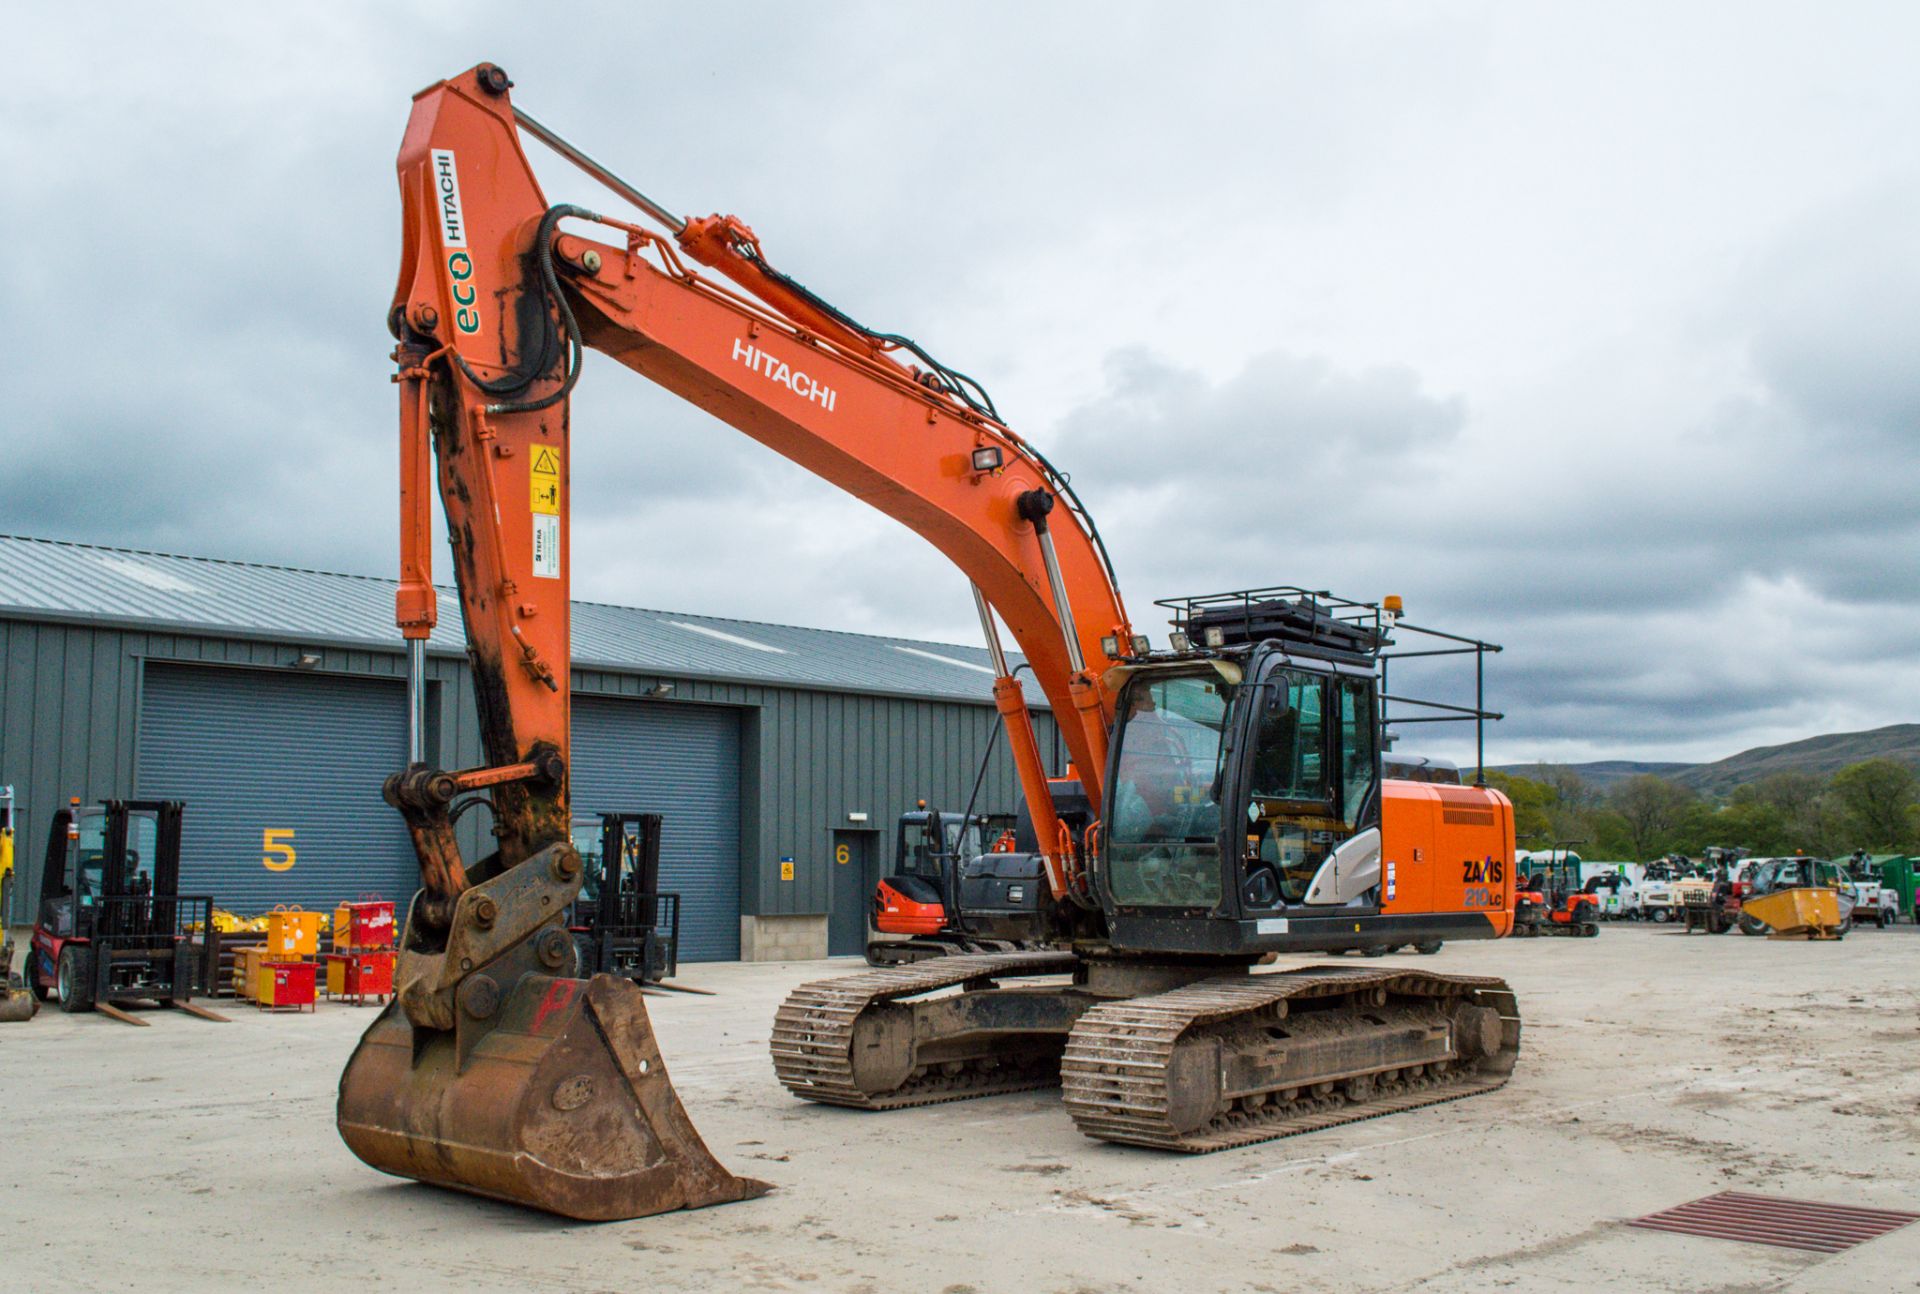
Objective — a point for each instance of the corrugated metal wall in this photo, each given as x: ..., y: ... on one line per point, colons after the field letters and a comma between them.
x: 69, y: 698
x: 281, y: 772
x: 69, y: 706
x: 683, y: 762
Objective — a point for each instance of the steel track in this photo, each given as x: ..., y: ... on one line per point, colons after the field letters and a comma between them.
x: 1118, y: 1057
x: 813, y: 1033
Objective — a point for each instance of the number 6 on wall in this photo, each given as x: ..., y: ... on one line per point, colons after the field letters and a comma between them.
x: 276, y: 841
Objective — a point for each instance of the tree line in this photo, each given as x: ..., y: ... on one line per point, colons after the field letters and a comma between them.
x: 1873, y: 805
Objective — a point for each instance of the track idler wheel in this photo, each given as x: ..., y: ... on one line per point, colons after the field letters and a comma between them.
x: 564, y: 1105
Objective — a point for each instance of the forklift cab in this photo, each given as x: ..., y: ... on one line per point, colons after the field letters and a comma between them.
x: 589, y: 841
x: 100, y: 852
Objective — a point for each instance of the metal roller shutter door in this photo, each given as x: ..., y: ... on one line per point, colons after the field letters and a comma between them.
x: 682, y: 761
x: 251, y: 751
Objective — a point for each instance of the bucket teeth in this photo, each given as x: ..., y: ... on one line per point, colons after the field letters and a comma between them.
x: 564, y: 1105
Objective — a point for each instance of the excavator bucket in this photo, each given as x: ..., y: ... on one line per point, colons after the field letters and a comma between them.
x: 1802, y: 913
x: 16, y: 1004
x: 563, y: 1104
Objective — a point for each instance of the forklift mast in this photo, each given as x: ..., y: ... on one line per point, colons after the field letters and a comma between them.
x: 622, y: 922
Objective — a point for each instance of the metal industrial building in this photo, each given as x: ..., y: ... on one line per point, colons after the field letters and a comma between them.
x: 272, y: 701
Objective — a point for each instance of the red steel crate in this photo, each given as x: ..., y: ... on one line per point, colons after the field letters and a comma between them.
x: 287, y: 986
x: 366, y: 926
x: 360, y: 977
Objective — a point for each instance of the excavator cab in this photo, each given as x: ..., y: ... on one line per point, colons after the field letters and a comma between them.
x: 919, y: 896
x: 1248, y: 806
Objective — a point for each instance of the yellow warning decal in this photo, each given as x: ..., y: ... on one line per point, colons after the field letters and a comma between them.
x: 544, y: 481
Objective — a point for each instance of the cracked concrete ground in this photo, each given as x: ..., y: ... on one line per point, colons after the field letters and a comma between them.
x: 1656, y: 1068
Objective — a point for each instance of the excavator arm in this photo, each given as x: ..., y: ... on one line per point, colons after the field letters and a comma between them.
x: 495, y: 1060
x: 495, y: 306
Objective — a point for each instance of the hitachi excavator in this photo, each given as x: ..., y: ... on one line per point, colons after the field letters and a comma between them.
x: 1229, y: 803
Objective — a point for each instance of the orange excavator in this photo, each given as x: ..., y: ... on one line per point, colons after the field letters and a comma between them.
x: 1229, y: 804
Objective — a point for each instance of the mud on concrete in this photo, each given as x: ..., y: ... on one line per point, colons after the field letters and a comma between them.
x: 1657, y: 1068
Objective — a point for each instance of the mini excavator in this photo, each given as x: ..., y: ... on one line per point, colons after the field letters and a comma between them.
x: 1228, y: 806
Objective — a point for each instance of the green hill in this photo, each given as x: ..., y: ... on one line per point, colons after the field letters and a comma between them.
x: 1824, y: 756
x: 1603, y: 775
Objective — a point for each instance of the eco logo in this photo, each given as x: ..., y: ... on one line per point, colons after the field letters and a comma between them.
x: 453, y: 236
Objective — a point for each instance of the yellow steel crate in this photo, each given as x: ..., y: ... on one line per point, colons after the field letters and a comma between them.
x: 292, y: 932
x: 246, y: 972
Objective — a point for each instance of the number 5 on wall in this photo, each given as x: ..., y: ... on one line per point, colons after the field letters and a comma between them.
x: 276, y: 841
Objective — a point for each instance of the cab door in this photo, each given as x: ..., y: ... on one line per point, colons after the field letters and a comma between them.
x: 1290, y: 795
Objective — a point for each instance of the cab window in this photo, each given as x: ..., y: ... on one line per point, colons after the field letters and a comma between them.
x: 1289, y: 757
x: 587, y: 842
x: 90, y: 866
x: 963, y: 838
x: 1357, y: 742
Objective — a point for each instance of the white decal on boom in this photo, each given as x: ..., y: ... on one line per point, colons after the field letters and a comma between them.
x: 446, y: 182
x: 779, y: 371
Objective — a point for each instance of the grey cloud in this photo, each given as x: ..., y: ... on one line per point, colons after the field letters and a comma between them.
x: 1352, y: 298
x: 1280, y: 417
x: 1836, y: 305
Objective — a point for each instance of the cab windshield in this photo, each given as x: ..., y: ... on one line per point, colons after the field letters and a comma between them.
x: 90, y: 855
x: 1164, y: 824
x: 1793, y: 873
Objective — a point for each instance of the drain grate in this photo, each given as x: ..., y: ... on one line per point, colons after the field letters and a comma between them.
x: 1763, y: 1220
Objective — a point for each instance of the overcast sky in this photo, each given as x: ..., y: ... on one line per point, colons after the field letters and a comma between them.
x: 1593, y: 330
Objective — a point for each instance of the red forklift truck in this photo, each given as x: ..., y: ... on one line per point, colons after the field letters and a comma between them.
x: 113, y: 928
